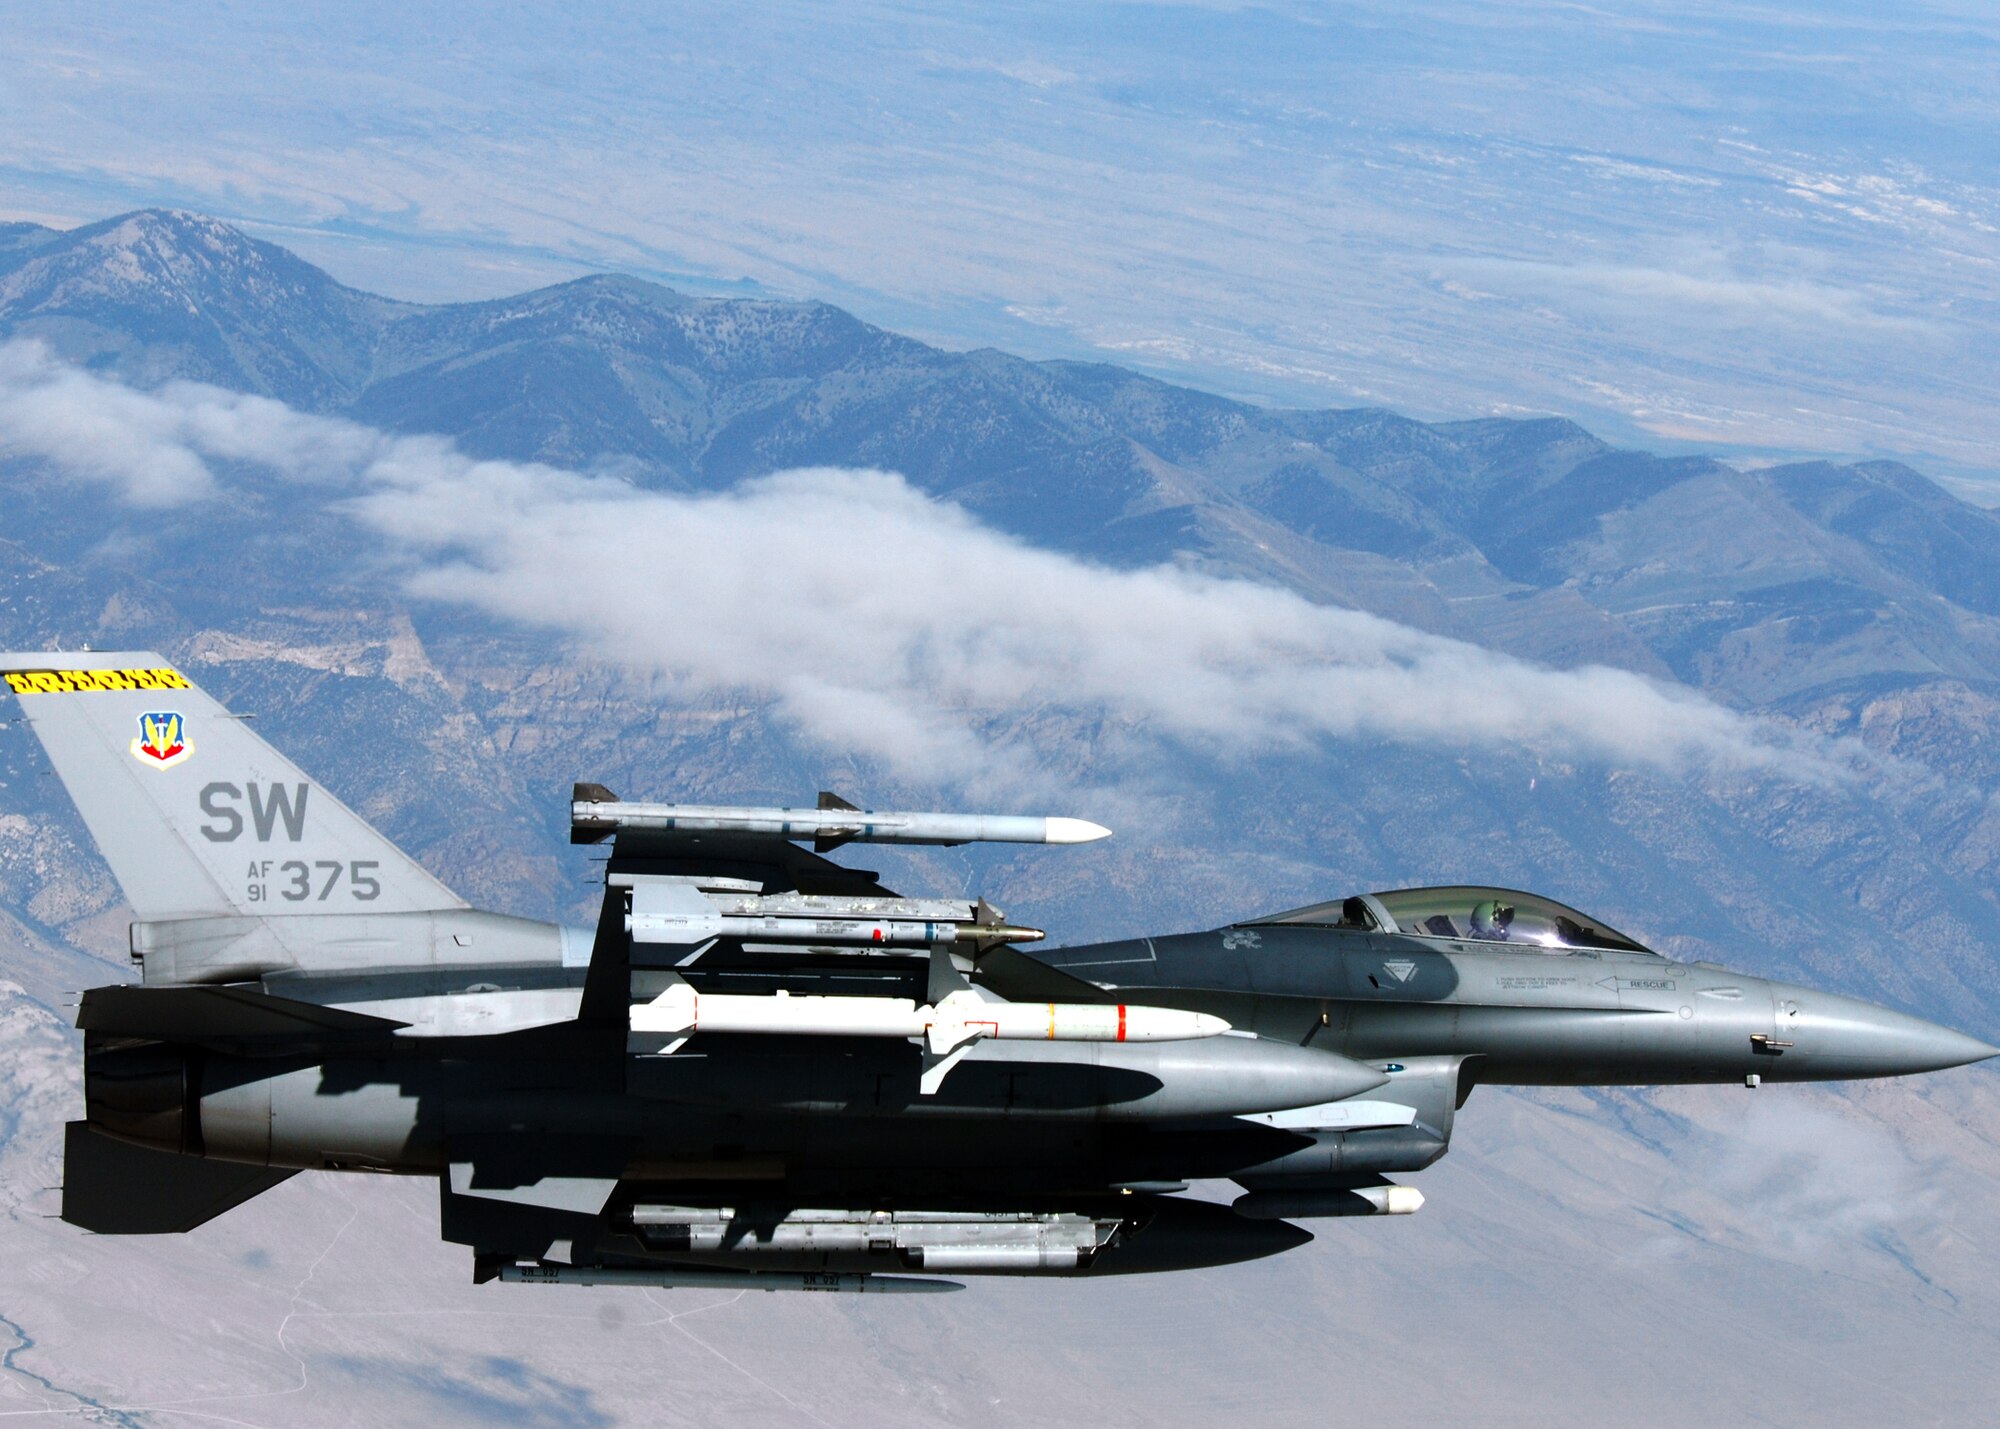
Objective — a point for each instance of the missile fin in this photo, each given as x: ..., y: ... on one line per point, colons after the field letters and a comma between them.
x: 945, y: 978
x: 936, y: 1067
x: 829, y: 839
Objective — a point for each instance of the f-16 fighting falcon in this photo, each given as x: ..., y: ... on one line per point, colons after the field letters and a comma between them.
x: 764, y: 1069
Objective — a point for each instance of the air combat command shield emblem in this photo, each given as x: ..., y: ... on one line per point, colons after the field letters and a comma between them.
x: 162, y: 741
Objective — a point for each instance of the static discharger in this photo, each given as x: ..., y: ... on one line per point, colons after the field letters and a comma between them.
x: 596, y: 813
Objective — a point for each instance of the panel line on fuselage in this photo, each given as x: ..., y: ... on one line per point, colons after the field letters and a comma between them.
x: 1152, y: 956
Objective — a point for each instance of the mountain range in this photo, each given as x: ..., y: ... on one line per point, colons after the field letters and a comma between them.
x: 1851, y: 602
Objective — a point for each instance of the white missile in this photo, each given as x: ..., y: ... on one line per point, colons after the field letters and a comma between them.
x: 954, y: 1021
x: 593, y: 819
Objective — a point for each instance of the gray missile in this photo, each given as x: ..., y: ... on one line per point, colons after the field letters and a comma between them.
x: 681, y: 929
x: 691, y: 1276
x: 677, y: 913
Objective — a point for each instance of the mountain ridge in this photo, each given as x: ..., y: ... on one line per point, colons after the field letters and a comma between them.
x: 681, y: 392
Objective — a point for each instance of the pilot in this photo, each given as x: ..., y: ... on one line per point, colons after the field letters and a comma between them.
x: 1491, y: 920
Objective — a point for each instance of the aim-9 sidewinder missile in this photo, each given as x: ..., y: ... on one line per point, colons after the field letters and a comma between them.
x: 675, y: 912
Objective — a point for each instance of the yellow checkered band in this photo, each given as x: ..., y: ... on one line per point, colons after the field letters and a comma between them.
x: 69, y: 682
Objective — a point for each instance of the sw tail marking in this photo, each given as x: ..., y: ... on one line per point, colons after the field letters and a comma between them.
x: 270, y: 804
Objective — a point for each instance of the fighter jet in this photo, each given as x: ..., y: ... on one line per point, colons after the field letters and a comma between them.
x: 764, y: 1069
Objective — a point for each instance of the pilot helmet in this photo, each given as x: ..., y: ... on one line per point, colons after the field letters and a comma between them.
x: 1491, y: 918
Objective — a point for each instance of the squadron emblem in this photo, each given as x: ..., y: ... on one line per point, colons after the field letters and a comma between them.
x: 162, y: 741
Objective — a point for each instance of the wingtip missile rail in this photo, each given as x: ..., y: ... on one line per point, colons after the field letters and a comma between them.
x: 596, y: 813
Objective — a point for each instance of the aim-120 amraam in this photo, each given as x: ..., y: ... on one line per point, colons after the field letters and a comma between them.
x: 764, y: 1069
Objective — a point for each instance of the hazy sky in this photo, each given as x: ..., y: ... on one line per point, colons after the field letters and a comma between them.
x: 1764, y: 230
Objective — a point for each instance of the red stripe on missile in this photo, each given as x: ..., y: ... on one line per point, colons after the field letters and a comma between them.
x: 1121, y: 1022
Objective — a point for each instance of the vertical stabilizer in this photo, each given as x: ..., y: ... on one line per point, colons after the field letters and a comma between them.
x: 196, y: 815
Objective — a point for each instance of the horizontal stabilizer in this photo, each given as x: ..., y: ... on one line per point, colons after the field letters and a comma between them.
x: 198, y: 1014
x: 114, y: 1188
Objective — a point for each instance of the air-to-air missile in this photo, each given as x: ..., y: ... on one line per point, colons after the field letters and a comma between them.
x: 950, y: 1023
x: 595, y: 812
x: 763, y: 1069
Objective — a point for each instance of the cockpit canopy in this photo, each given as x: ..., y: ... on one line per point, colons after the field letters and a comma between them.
x: 1467, y: 913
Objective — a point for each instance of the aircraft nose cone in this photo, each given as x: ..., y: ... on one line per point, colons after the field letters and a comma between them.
x: 1836, y: 1037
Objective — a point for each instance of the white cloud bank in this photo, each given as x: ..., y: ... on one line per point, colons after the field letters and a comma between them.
x: 883, y: 622
x: 1820, y: 1175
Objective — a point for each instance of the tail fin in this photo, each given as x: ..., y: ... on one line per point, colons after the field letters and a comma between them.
x: 197, y: 816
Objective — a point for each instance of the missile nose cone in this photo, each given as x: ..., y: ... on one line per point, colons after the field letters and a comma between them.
x: 1835, y: 1037
x: 1208, y: 1025
x: 990, y: 933
x: 1165, y: 1024
x: 1074, y: 831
